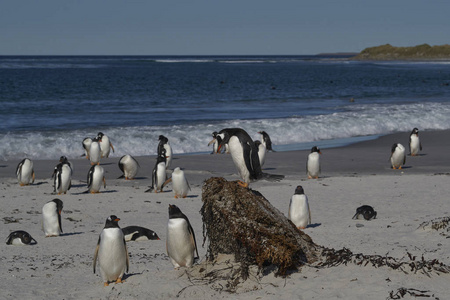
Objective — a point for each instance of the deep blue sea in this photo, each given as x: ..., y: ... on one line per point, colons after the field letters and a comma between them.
x: 48, y: 105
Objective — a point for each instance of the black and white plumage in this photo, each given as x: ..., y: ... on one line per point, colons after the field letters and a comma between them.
x: 414, y: 142
x: 25, y: 172
x: 95, y: 178
x: 365, y: 211
x: 159, y: 175
x: 299, y: 212
x: 105, y: 145
x: 62, y: 176
x: 181, y: 244
x: 20, y: 238
x: 95, y: 152
x: 137, y: 233
x: 51, y: 218
x: 87, y: 146
x: 261, y: 152
x: 313, y: 166
x: 111, y: 252
x: 214, y: 142
x: 398, y: 156
x: 164, y: 144
x: 265, y: 140
x: 129, y: 166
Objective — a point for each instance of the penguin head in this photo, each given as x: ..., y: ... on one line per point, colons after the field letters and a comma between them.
x: 222, y: 138
x: 63, y: 159
x: 299, y: 190
x: 112, y: 221
x: 59, y: 205
x: 214, y: 134
x: 415, y: 131
x: 264, y: 134
x: 315, y: 149
x: 162, y: 139
x: 174, y: 212
x: 257, y: 143
x: 100, y: 135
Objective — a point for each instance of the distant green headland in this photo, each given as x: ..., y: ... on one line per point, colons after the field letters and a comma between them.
x: 420, y: 52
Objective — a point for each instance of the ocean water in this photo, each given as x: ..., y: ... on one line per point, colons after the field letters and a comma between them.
x: 48, y: 105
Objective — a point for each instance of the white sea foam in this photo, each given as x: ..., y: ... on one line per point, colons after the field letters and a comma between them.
x: 355, y: 120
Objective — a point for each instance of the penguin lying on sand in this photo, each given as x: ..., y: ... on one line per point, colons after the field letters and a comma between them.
x: 137, y: 233
x: 20, y: 238
x: 365, y: 211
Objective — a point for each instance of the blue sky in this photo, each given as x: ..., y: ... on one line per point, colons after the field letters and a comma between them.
x: 192, y: 27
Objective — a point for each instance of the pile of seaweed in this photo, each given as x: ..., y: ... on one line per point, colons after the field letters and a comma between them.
x: 439, y: 224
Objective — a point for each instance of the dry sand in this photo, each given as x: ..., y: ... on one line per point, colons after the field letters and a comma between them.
x: 61, y: 267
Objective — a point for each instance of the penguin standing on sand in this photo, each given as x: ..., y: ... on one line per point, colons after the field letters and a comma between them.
x: 164, y: 144
x: 25, y: 172
x: 243, y: 152
x: 159, y: 175
x: 313, y: 167
x: 86, y: 146
x: 398, y: 156
x: 95, y: 179
x: 181, y: 244
x: 51, y: 218
x: 95, y: 152
x: 112, y: 252
x: 137, y: 233
x: 105, y: 145
x: 299, y: 212
x: 129, y: 166
x: 62, y: 176
x: 20, y: 238
x: 261, y: 152
x: 265, y: 140
x: 414, y: 142
x: 179, y: 183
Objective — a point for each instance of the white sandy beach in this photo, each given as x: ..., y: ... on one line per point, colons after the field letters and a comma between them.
x: 61, y: 267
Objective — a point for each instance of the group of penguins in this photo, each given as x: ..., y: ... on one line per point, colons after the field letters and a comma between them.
x: 248, y: 157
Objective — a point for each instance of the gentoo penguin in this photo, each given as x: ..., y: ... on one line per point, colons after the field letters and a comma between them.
x: 62, y: 176
x: 181, y: 244
x: 398, y: 156
x: 164, y: 144
x: 365, y: 211
x: 20, y: 238
x: 243, y: 152
x: 313, y: 163
x: 159, y: 176
x: 214, y: 143
x: 261, y: 152
x: 95, y: 178
x: 414, y: 143
x: 129, y: 166
x: 111, y: 252
x: 25, y: 172
x: 179, y: 183
x: 87, y: 146
x: 64, y: 159
x: 265, y: 140
x: 95, y: 152
x: 51, y: 218
x: 137, y: 233
x: 299, y: 212
x: 105, y: 144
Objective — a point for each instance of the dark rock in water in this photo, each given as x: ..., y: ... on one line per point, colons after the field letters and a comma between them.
x: 240, y: 221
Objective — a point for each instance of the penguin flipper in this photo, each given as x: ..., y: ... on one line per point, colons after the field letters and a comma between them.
x: 355, y: 216
x: 121, y: 165
x: 126, y: 253
x: 309, y: 214
x: 112, y: 147
x: 120, y: 177
x: 192, y: 234
x: 104, y: 182
x: 33, y: 176
x: 150, y: 189
x: 94, y: 263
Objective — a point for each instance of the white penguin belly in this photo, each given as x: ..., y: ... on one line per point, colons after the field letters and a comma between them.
x: 94, y: 153
x: 65, y: 179
x: 130, y: 167
x: 262, y: 154
x: 97, y: 179
x: 25, y: 173
x: 237, y: 154
x: 179, y: 244
x: 313, y: 164
x: 17, y: 242
x: 168, y: 154
x: 50, y: 222
x: 415, y: 144
x: 105, y: 147
x: 299, y: 211
x: 180, y: 186
x: 112, y: 256
x: 398, y: 157
x: 160, y: 175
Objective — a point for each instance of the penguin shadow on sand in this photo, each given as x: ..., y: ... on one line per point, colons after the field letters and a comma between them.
x: 314, y: 225
x: 188, y: 196
x: 71, y: 233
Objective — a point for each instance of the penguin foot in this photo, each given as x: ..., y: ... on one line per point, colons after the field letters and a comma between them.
x: 119, y: 280
x: 176, y: 197
x: 400, y: 167
x: 22, y: 184
x: 106, y: 284
x: 243, y: 184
